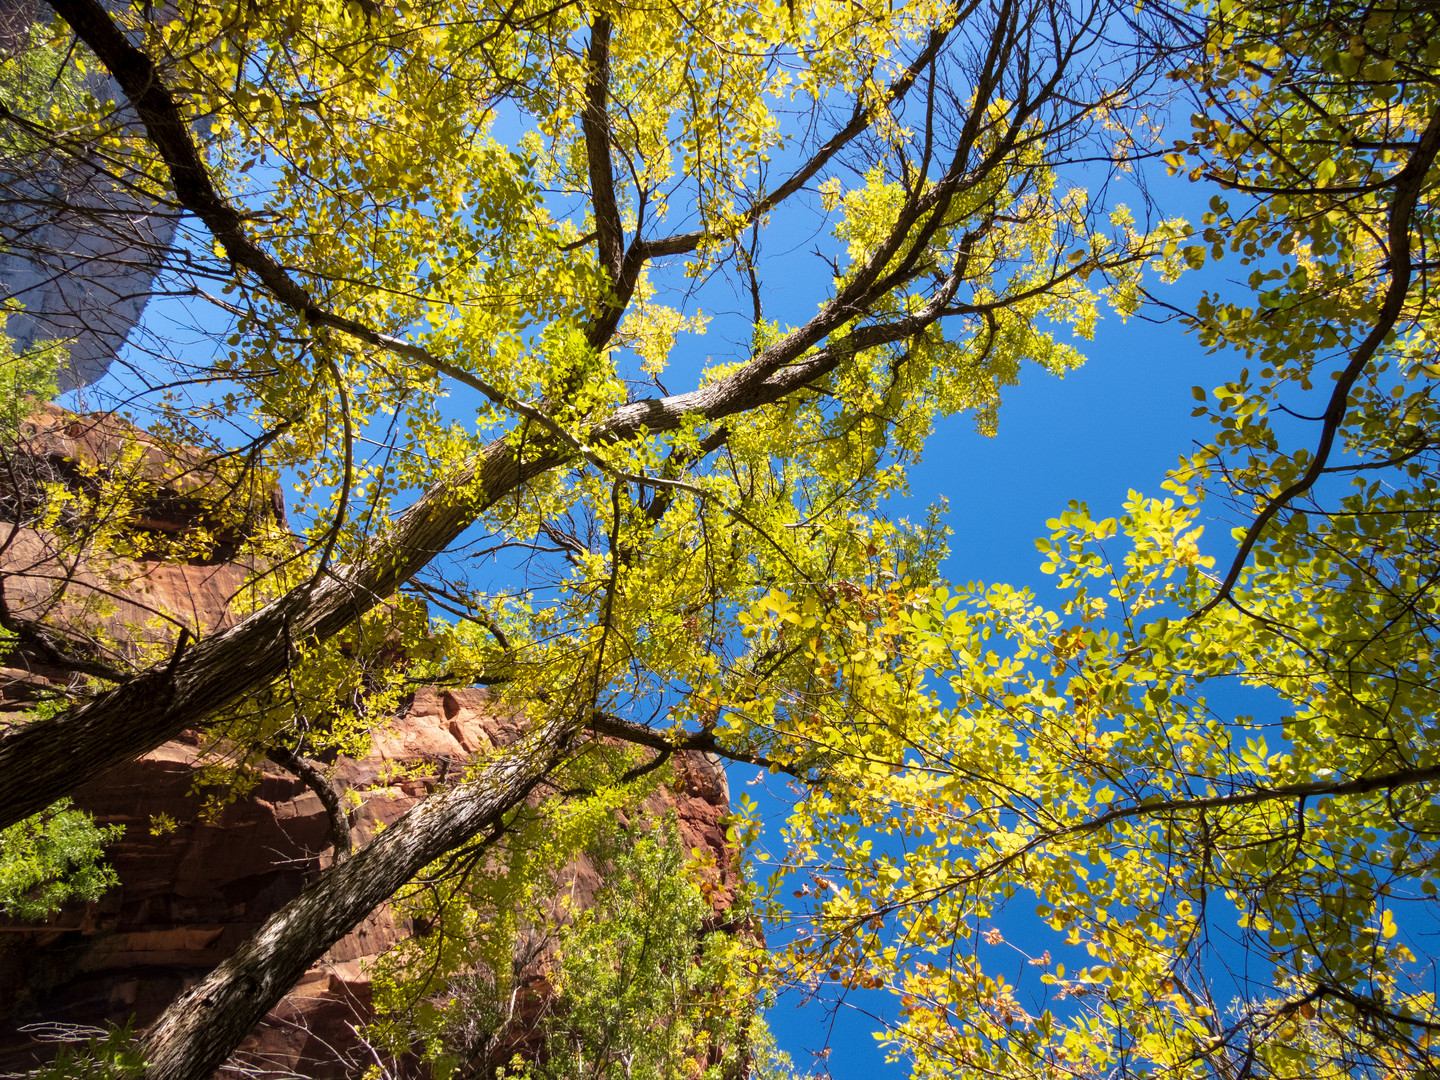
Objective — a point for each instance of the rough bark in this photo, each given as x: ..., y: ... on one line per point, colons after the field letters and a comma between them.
x: 198, y: 1032
x: 44, y: 759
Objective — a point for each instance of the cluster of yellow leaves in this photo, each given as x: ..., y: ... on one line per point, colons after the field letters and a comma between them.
x: 967, y: 753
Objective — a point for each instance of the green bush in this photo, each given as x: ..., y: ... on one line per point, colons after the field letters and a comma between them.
x: 51, y: 859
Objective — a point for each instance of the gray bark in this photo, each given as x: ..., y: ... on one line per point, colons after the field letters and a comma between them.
x: 199, y: 1030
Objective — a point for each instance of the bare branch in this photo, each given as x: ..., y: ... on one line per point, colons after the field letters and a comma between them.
x: 317, y: 782
x: 703, y: 741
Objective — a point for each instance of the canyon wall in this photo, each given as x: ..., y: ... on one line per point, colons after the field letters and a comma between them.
x: 191, y: 890
x: 190, y: 895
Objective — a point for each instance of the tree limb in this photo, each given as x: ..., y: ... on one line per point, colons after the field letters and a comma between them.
x: 1361, y: 785
x: 1409, y: 185
x: 317, y: 782
x: 595, y: 121
x: 195, y: 1035
x: 703, y: 741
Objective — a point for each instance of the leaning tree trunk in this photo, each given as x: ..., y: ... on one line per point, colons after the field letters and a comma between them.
x: 203, y: 1026
x: 44, y: 759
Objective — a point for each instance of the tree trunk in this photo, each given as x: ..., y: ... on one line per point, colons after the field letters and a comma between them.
x: 44, y: 759
x: 203, y: 1026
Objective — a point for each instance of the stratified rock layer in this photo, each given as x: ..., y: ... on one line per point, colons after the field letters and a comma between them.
x: 185, y: 523
x: 191, y: 892
x: 190, y: 895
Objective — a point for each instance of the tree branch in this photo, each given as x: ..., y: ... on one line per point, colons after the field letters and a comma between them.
x: 199, y: 1030
x: 1362, y: 785
x: 595, y: 122
x: 704, y: 741
x: 1408, y: 186
x: 860, y: 120
x: 317, y: 782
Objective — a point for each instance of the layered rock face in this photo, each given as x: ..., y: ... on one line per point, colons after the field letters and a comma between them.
x: 190, y: 890
x: 175, y: 489
x: 189, y: 896
x: 113, y: 607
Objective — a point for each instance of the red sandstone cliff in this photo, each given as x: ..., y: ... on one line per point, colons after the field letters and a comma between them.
x: 170, y: 500
x: 188, y: 896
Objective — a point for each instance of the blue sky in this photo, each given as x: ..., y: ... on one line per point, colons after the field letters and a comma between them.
x: 1117, y: 423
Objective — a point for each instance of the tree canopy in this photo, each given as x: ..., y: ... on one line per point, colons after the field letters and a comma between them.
x: 1212, y: 773
x: 444, y: 261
